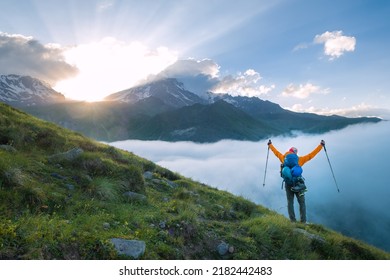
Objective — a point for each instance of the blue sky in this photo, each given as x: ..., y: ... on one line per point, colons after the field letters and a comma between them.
x: 314, y: 56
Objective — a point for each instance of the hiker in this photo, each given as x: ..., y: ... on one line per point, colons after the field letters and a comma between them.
x: 289, y: 186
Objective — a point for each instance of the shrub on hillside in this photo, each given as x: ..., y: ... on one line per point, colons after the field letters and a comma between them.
x: 103, y: 189
x: 10, y: 177
x: 49, y: 139
x: 93, y: 164
x: 133, y: 180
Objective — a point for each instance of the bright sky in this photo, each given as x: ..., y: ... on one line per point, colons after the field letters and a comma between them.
x: 316, y: 56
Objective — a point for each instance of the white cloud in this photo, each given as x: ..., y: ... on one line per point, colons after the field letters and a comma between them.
x: 244, y: 84
x: 360, y: 110
x: 24, y: 55
x: 335, y: 43
x: 201, y: 76
x: 303, y: 91
x: 301, y: 46
x: 198, y: 76
x: 104, y: 5
x: 191, y: 67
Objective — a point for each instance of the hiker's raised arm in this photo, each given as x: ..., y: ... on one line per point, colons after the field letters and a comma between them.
x: 278, y: 154
x: 309, y: 156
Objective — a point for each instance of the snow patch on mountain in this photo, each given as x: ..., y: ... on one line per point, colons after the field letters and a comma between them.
x: 27, y: 91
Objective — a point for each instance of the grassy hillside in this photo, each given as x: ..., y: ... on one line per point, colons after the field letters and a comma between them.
x: 64, y: 196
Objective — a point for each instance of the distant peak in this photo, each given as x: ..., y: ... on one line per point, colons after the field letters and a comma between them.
x: 22, y: 91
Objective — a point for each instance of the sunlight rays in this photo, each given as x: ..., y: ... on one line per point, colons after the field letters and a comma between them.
x: 148, y: 44
x: 111, y: 65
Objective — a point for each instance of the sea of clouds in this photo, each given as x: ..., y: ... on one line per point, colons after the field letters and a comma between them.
x: 359, y: 155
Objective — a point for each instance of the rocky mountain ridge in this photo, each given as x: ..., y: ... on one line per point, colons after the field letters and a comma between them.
x: 22, y: 91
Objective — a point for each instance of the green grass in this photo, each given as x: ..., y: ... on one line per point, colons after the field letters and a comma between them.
x: 54, y: 207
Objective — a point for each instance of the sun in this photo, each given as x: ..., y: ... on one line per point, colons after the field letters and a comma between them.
x: 109, y: 66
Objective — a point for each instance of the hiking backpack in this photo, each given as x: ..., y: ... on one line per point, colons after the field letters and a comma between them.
x: 291, y: 172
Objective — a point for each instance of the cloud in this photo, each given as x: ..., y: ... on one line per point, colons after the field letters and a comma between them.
x: 303, y: 91
x: 198, y: 76
x: 26, y: 56
x: 244, y: 84
x: 202, y: 76
x: 105, y: 5
x: 335, y: 43
x: 300, y: 47
x: 191, y: 67
x: 360, y: 110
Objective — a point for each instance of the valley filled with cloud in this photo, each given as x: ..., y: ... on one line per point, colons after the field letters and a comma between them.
x: 356, y: 154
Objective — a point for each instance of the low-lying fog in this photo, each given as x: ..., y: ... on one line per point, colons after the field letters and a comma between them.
x: 359, y: 154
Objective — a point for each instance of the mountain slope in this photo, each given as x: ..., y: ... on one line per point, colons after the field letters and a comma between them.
x: 106, y: 121
x: 205, y: 123
x: 170, y: 91
x: 24, y: 91
x: 287, y: 121
x: 64, y: 196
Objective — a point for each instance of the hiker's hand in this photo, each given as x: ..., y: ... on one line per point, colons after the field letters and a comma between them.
x: 323, y: 143
x: 269, y: 142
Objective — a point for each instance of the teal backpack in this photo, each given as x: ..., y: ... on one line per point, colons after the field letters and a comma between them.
x: 291, y: 173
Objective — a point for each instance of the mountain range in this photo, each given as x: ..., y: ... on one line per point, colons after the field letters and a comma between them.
x: 165, y: 110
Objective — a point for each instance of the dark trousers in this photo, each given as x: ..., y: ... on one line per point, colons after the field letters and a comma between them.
x: 290, y: 204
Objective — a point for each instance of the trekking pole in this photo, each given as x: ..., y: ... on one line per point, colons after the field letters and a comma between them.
x: 331, y: 169
x: 266, y: 164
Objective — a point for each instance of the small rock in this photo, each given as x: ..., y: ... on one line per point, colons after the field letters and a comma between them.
x: 157, y: 181
x: 106, y: 226
x: 8, y: 148
x: 135, y: 196
x: 171, y: 184
x: 148, y: 175
x: 162, y: 225
x: 57, y: 176
x: 70, y: 187
x: 223, y: 248
x: 132, y: 248
x: 67, y: 156
x: 309, y: 235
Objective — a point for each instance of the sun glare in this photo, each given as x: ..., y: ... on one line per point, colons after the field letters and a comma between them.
x: 111, y: 65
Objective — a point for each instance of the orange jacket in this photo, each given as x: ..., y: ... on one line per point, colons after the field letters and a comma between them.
x: 301, y: 159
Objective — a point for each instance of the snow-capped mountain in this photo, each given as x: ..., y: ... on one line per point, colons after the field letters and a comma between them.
x: 170, y: 91
x: 173, y: 93
x: 22, y: 91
